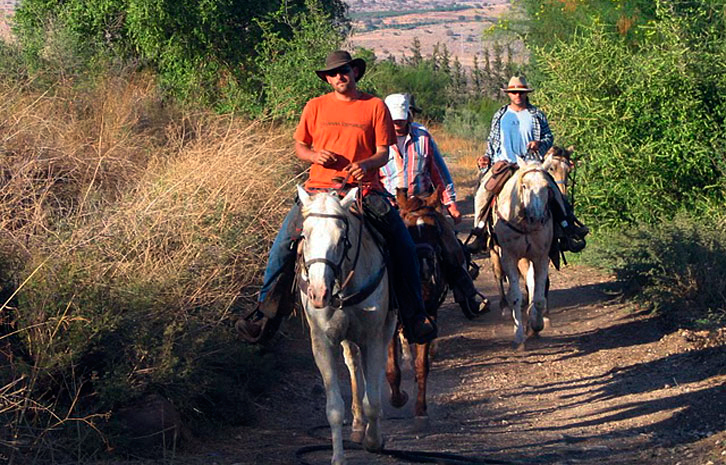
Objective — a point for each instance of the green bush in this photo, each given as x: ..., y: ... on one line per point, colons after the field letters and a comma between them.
x: 676, y: 267
x: 286, y: 64
x: 471, y: 120
x: 644, y: 132
x: 428, y: 85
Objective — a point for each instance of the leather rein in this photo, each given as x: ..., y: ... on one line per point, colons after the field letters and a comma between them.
x: 338, y: 299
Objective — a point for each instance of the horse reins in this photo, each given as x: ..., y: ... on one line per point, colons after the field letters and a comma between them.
x: 337, y: 268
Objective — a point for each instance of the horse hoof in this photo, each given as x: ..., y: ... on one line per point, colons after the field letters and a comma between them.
x: 357, y: 436
x: 518, y: 346
x: 373, y: 446
x: 546, y: 323
x: 399, y: 401
x: 420, y: 423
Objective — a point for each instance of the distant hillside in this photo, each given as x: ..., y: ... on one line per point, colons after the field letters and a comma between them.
x: 388, y: 27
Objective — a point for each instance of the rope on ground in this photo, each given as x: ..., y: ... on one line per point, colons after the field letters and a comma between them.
x: 412, y: 456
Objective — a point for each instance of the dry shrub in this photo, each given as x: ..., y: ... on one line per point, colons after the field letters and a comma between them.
x: 460, y: 154
x: 131, y: 233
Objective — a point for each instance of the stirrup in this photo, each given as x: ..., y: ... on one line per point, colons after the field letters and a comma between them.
x: 252, y: 331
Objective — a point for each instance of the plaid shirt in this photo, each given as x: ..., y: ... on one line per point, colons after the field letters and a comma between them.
x: 420, y: 168
x: 541, y: 130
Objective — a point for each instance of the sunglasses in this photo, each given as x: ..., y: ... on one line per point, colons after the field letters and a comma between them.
x: 516, y: 92
x: 345, y: 69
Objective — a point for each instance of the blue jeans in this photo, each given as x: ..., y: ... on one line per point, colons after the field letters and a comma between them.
x: 282, y: 252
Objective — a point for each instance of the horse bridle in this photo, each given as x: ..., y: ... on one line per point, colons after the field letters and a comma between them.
x: 509, y: 223
x: 338, y: 267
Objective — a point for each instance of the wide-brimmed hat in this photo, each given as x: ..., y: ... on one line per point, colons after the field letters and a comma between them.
x: 517, y: 84
x: 400, y: 105
x: 340, y: 58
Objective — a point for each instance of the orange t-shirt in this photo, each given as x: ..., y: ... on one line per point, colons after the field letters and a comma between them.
x: 350, y: 129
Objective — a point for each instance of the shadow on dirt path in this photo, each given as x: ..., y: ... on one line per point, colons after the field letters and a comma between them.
x: 603, y: 384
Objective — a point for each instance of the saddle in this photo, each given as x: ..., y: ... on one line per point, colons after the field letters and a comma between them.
x: 501, y: 172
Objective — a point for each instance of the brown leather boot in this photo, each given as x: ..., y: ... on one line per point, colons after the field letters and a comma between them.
x: 422, y: 330
x: 252, y: 327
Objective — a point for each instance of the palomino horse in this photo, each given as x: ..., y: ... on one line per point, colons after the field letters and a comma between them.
x: 345, y: 294
x: 558, y: 163
x: 421, y: 216
x: 523, y: 230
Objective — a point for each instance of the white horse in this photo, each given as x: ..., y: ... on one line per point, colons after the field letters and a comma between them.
x: 344, y: 290
x: 523, y: 229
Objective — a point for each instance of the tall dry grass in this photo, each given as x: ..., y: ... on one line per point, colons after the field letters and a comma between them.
x: 461, y: 154
x: 130, y: 231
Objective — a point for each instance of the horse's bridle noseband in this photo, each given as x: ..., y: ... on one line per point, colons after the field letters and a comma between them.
x: 336, y: 267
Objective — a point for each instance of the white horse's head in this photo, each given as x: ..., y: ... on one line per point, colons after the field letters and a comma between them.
x: 327, y: 236
x: 533, y: 192
x: 558, y: 163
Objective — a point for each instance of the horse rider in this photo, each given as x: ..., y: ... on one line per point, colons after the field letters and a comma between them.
x: 520, y: 129
x: 415, y: 164
x: 344, y: 135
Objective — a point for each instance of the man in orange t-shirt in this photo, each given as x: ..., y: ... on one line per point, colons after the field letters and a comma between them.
x: 344, y: 134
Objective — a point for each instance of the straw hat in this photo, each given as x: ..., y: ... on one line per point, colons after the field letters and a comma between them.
x: 517, y: 84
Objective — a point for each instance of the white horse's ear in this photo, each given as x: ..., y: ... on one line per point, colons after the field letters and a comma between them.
x: 303, y: 195
x: 521, y: 162
x: 349, y: 198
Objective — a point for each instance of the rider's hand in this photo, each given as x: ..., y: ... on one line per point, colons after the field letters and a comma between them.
x: 357, y: 171
x: 454, y: 212
x: 325, y: 158
x: 483, y: 162
x: 533, y: 146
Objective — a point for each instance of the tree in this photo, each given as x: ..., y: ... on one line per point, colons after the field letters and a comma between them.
x: 200, y: 48
x: 476, y: 76
x: 416, y: 57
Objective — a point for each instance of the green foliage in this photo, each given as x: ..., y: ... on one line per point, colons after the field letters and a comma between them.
x: 426, y: 84
x: 472, y: 119
x: 286, y: 64
x: 204, y: 51
x: 672, y: 267
x: 551, y: 21
x: 644, y: 128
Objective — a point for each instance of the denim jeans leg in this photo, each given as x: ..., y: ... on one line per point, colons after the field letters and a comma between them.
x: 282, y: 252
x: 406, y: 275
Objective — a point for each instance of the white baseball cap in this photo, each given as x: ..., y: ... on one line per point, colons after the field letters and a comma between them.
x: 398, y: 105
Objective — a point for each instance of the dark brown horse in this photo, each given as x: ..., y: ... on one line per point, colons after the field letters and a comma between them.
x: 422, y: 217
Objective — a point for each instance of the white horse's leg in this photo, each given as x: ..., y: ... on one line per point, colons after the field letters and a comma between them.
x: 351, y: 355
x: 514, y: 297
x: 530, y: 282
x: 374, y: 360
x: 539, y: 304
x: 334, y: 407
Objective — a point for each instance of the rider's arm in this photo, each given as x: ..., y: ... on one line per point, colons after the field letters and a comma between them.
x: 546, y: 138
x: 440, y: 175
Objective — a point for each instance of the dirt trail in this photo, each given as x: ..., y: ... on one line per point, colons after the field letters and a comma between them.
x: 603, y: 384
